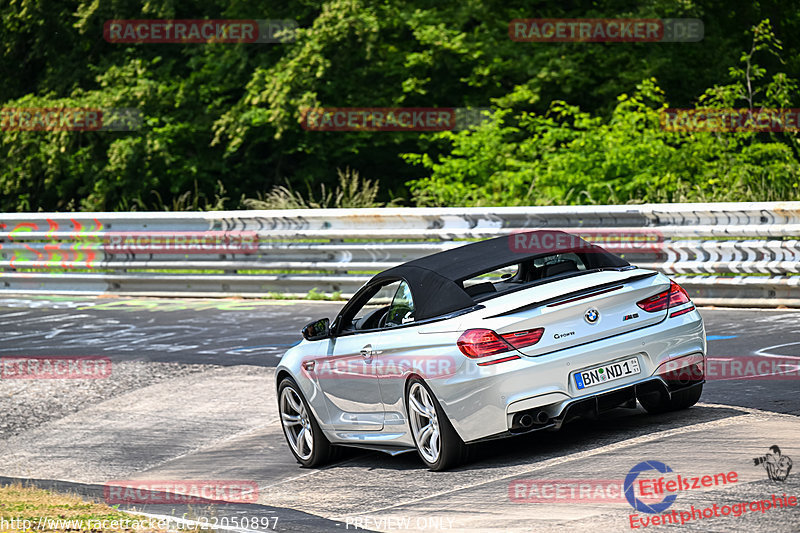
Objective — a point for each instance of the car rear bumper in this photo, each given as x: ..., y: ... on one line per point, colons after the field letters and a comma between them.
x: 591, y: 405
x: 482, y: 401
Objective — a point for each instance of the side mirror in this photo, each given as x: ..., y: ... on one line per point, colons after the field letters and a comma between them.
x: 319, y: 329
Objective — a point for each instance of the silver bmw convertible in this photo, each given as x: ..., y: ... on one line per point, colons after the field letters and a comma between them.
x: 491, y: 339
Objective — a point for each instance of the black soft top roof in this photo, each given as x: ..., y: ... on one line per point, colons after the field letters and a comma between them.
x: 436, y: 280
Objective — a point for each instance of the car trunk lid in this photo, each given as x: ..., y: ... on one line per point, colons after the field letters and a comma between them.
x: 580, y: 309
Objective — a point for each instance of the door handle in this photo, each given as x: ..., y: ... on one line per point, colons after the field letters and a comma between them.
x: 366, y: 351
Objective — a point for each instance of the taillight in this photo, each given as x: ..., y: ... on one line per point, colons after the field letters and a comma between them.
x: 676, y: 295
x: 477, y: 343
x: 521, y: 339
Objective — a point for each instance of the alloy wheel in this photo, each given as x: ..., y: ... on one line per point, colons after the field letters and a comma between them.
x: 296, y: 423
x: 424, y: 422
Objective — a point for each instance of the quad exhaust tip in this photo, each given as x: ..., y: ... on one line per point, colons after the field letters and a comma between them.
x: 539, y: 417
x: 526, y: 421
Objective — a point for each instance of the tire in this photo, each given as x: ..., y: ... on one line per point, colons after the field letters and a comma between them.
x: 682, y: 399
x: 303, y: 435
x: 439, y: 447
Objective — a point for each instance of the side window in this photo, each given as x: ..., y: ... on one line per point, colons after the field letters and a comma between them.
x: 402, y: 307
x: 369, y: 315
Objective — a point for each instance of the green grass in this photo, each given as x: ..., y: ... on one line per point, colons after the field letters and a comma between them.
x: 42, y: 508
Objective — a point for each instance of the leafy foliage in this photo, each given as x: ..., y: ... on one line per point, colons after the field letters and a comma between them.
x: 573, y: 122
x: 569, y: 156
x: 352, y: 192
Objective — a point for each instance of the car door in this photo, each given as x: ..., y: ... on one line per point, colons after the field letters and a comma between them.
x: 348, y: 376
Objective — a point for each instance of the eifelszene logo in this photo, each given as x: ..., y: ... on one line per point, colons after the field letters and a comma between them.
x: 777, y: 466
x: 670, y: 486
x: 635, y: 502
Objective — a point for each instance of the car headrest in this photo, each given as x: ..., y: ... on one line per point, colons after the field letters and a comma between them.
x: 567, y: 265
x: 480, y: 288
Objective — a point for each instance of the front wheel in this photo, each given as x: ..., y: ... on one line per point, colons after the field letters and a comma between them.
x: 437, y: 442
x: 682, y: 399
x: 303, y: 434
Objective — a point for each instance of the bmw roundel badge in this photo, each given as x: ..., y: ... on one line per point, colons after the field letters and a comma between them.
x: 592, y: 315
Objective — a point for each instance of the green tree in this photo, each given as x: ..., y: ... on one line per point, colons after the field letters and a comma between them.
x: 570, y: 156
x: 229, y: 113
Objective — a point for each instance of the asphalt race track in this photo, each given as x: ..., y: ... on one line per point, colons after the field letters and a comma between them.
x: 191, y: 397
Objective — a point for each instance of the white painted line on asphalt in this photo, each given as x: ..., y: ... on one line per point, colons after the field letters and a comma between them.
x: 749, y: 410
x: 20, y: 313
x: 793, y: 370
x: 234, y: 436
x: 746, y: 418
x: 310, y: 473
x: 762, y: 351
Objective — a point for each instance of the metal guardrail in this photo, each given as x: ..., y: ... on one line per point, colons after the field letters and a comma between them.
x: 732, y: 254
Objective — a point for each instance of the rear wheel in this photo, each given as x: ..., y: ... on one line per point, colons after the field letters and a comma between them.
x: 437, y: 442
x: 661, y: 403
x: 303, y: 434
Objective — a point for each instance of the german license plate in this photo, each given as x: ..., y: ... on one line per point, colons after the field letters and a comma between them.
x: 606, y: 373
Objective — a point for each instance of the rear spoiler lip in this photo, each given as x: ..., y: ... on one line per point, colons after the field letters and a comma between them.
x: 581, y: 292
